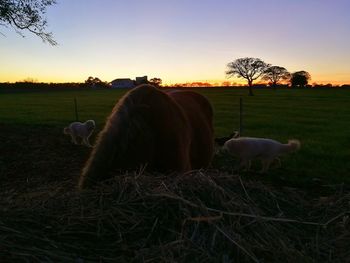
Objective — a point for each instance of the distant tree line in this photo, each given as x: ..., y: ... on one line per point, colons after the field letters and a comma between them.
x: 197, y: 84
x: 41, y: 85
x: 94, y: 82
x: 253, y: 69
x: 228, y: 84
x: 90, y: 82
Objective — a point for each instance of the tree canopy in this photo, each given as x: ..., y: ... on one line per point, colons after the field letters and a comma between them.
x: 300, y: 78
x: 247, y: 68
x: 96, y: 82
x: 156, y: 82
x: 27, y: 15
x: 274, y: 74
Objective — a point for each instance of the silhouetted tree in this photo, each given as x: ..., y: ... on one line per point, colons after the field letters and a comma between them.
x: 91, y: 81
x: 247, y: 68
x: 27, y: 15
x: 300, y: 79
x: 274, y: 74
x: 156, y: 82
x: 96, y: 83
x: 29, y: 80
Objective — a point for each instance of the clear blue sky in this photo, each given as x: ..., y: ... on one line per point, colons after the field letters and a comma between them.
x: 181, y: 40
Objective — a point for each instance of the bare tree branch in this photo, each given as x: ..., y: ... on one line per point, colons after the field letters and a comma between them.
x: 274, y: 74
x: 27, y: 15
x: 248, y: 68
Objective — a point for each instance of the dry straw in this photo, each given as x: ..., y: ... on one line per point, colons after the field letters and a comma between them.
x: 201, y: 216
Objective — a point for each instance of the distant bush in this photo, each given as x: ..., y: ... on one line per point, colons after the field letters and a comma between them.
x: 41, y: 85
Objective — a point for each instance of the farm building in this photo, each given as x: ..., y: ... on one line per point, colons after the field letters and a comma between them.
x: 122, y: 83
x: 128, y: 83
x: 141, y: 80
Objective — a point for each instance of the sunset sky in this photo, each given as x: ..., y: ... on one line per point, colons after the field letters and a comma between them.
x: 181, y: 40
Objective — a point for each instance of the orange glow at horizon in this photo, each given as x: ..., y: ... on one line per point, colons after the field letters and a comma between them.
x: 12, y: 78
x: 242, y: 82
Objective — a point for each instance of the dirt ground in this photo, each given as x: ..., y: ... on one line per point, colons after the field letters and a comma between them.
x: 34, y: 156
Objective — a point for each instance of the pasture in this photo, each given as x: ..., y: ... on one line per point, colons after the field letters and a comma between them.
x: 318, y: 118
x: 159, y: 217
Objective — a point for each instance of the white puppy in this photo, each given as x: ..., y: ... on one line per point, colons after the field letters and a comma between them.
x: 82, y: 130
x: 247, y: 149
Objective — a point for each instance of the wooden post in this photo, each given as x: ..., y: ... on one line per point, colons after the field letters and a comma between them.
x: 240, y: 116
x: 76, y: 109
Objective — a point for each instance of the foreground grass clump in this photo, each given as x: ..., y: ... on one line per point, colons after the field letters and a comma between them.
x: 203, y: 216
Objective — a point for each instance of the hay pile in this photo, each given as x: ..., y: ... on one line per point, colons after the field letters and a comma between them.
x: 201, y: 216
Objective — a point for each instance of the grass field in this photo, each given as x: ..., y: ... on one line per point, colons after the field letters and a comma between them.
x: 320, y: 119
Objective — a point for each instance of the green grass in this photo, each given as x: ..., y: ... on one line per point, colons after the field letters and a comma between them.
x: 56, y: 107
x: 320, y: 119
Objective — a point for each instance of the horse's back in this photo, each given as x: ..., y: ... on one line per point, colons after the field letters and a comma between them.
x: 183, y: 127
x: 168, y: 126
x: 199, y: 114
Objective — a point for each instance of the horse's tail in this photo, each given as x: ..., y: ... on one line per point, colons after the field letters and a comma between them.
x: 292, y: 146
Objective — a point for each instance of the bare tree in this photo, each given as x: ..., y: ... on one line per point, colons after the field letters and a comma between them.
x: 248, y: 68
x: 274, y: 74
x: 300, y: 78
x: 27, y: 15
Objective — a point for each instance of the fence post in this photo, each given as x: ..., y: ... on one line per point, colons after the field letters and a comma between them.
x: 240, y: 116
x: 76, y: 109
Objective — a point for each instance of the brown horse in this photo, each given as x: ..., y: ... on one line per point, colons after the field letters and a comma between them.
x: 168, y: 131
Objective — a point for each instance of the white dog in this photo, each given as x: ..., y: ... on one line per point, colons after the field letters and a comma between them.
x: 82, y: 130
x: 247, y: 149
